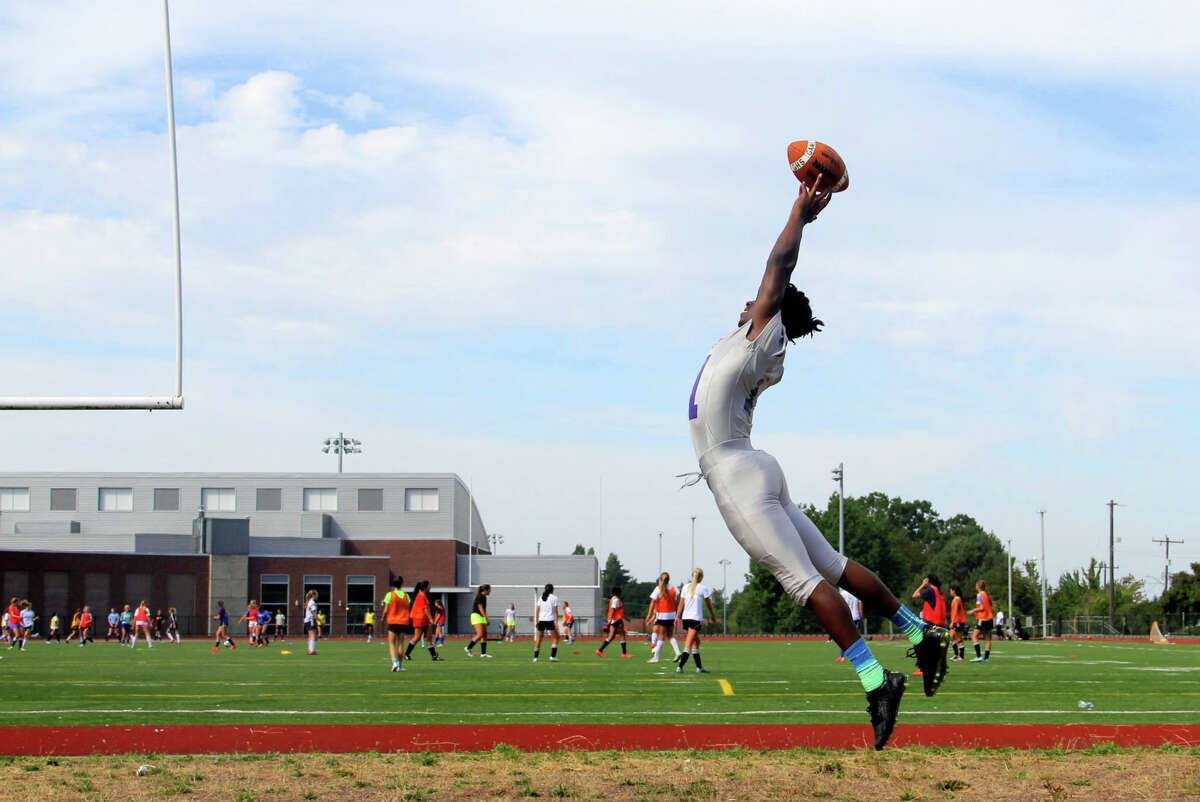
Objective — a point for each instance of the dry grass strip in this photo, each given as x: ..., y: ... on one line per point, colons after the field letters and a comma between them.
x: 1103, y: 772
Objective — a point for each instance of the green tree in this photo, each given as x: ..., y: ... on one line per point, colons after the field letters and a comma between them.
x: 579, y: 549
x: 614, y: 574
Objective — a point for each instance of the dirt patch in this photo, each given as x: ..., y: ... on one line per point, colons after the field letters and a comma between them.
x: 504, y: 773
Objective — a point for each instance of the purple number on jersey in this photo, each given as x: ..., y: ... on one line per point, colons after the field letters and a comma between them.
x: 694, y: 413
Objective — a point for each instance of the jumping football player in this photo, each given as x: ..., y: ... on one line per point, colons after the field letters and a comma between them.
x: 751, y: 491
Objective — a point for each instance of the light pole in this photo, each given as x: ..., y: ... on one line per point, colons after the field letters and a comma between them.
x: 724, y: 597
x: 1112, y: 505
x: 839, y: 477
x: 342, y: 445
x: 1008, y: 615
x: 660, y: 553
x: 1045, y: 623
x: 496, y: 541
x: 693, y: 545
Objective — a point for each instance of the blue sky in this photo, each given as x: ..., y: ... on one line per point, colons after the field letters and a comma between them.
x: 500, y: 242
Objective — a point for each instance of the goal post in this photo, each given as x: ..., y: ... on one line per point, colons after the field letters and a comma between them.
x: 1157, y: 636
x: 137, y: 402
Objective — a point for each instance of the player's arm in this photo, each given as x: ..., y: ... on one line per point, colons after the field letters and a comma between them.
x: 924, y: 584
x: 712, y: 615
x: 782, y: 260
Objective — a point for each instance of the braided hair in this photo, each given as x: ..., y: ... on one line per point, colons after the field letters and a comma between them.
x: 797, y: 316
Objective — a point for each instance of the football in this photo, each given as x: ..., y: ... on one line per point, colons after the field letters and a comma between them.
x: 809, y: 159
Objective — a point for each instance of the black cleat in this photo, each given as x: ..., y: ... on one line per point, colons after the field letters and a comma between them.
x: 931, y: 657
x: 883, y: 704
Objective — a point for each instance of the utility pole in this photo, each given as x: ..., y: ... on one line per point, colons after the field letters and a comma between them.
x: 1112, y: 568
x: 1167, y: 566
x: 724, y: 596
x: 839, y: 477
x: 1008, y: 615
x: 1045, y: 623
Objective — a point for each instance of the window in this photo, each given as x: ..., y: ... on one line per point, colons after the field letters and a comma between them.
x: 323, y: 585
x: 218, y: 499
x: 14, y: 499
x: 62, y: 499
x: 273, y: 597
x: 166, y: 499
x: 360, y: 598
x: 320, y: 498
x: 268, y: 499
x: 116, y: 499
x: 370, y: 500
x: 417, y: 499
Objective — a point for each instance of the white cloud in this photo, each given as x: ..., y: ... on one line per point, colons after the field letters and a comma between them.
x: 560, y: 170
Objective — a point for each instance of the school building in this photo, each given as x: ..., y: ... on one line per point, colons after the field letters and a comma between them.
x: 187, y: 540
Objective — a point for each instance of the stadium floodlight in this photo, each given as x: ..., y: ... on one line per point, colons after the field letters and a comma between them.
x: 693, y: 546
x: 724, y: 595
x: 839, y: 477
x: 136, y: 402
x: 496, y: 541
x: 341, y: 445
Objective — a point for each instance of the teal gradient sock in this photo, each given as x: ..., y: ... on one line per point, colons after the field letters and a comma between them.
x: 870, y: 673
x: 908, y: 623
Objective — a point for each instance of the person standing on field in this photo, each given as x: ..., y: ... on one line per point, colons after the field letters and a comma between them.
x: 690, y: 613
x: 984, y: 622
x: 547, y: 621
x: 958, y: 624
x: 397, y: 615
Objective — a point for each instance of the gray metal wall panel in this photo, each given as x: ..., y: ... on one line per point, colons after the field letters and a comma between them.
x: 392, y: 523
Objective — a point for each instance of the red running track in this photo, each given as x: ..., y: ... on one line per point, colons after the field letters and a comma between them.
x: 216, y: 739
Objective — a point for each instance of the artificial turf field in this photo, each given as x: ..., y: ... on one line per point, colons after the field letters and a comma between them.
x: 751, y: 682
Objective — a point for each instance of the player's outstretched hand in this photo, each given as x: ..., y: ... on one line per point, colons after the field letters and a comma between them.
x: 812, y: 200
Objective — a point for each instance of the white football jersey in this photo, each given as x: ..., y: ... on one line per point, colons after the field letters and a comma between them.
x: 693, y: 606
x: 546, y: 608
x: 734, y: 373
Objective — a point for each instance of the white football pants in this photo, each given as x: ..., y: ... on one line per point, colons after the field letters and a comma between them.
x: 752, y: 495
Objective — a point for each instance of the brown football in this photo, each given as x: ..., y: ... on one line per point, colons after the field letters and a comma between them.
x: 809, y: 159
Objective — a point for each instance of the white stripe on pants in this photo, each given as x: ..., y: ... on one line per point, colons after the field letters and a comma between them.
x: 752, y: 495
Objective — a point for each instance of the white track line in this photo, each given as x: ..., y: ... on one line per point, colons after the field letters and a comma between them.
x: 806, y: 712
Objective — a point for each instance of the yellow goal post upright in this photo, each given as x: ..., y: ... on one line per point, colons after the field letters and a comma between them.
x: 174, y: 401
x: 1157, y: 636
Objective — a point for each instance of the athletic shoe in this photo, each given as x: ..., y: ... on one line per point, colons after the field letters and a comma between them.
x: 883, y: 704
x: 535, y: 659
x: 701, y: 670
x: 986, y: 659
x: 395, y: 666
x: 628, y: 656
x: 599, y: 653
x: 678, y: 669
x: 652, y: 660
x: 930, y: 654
x: 976, y: 659
x: 841, y: 658
x: 488, y: 656
x: 553, y: 659
x: 468, y: 651
x: 436, y: 659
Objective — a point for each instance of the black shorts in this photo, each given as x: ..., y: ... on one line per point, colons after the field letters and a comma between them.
x: 691, y: 623
x: 664, y: 622
x: 984, y: 625
x: 613, y: 626
x: 545, y: 626
x: 401, y: 629
x: 959, y: 627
